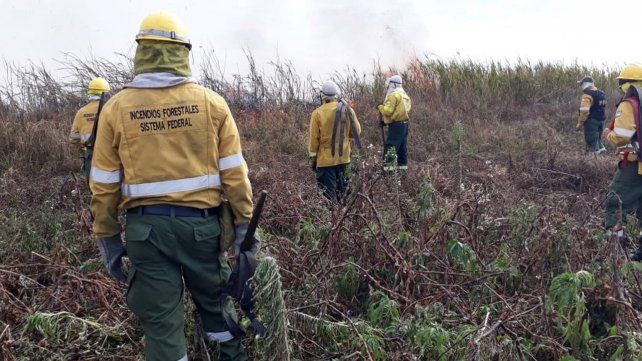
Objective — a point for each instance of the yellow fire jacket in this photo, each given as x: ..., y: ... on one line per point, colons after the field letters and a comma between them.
x: 624, y: 128
x: 176, y: 145
x: 586, y: 101
x: 396, y: 107
x: 321, y: 128
x: 83, y: 125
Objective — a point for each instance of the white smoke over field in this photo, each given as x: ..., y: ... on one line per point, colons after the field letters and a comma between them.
x: 322, y: 37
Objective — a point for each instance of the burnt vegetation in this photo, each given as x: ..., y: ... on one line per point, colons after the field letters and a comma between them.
x: 490, y: 248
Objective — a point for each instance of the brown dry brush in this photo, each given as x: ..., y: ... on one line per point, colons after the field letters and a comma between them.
x: 452, y: 261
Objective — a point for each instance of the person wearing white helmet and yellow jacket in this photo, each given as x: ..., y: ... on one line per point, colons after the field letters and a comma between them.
x: 591, y: 115
x: 395, y: 111
x: 333, y: 126
x: 625, y: 191
x: 83, y: 123
x: 166, y: 151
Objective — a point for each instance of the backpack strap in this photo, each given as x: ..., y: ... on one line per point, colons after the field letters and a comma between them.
x: 353, y: 128
x: 335, y: 127
x: 342, y: 109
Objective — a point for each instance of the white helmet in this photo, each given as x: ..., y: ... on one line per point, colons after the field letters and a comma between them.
x: 330, y: 89
x: 395, y: 79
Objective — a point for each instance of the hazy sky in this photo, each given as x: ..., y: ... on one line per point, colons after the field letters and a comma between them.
x: 322, y: 36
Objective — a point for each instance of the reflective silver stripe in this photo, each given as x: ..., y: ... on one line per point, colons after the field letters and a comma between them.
x: 624, y: 132
x: 85, y: 137
x: 184, y: 358
x: 389, y: 167
x: 232, y: 161
x: 104, y: 176
x: 74, y: 135
x: 163, y: 34
x: 585, y: 108
x: 219, y: 336
x: 171, y: 186
x: 403, y: 167
x: 313, y: 154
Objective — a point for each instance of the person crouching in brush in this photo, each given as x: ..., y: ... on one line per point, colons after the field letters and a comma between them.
x: 625, y: 191
x: 332, y: 127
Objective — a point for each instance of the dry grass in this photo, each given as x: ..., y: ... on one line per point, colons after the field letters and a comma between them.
x: 455, y: 263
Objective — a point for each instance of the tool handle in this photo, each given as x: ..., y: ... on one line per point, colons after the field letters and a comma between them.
x: 92, y: 139
x: 248, y: 241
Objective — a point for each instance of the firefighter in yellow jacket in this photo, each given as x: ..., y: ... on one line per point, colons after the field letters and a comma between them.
x: 84, y: 122
x: 395, y: 111
x: 625, y: 191
x: 332, y: 127
x: 166, y: 149
x: 592, y: 115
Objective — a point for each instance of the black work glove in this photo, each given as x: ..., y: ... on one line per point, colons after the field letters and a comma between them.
x: 112, y: 250
x: 313, y: 164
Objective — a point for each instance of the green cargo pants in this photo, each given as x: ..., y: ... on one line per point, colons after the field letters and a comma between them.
x: 625, y: 191
x: 165, y: 251
x: 592, y: 134
x: 398, y: 139
x: 333, y: 181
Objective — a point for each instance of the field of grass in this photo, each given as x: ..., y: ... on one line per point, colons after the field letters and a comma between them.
x: 491, y: 248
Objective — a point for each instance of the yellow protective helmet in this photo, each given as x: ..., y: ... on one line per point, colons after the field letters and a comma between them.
x: 163, y: 26
x: 98, y: 86
x: 631, y: 72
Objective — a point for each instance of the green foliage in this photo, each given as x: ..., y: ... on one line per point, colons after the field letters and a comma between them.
x: 568, y: 358
x: 383, y: 311
x: 432, y: 340
x: 311, y: 233
x: 348, y: 282
x: 376, y: 344
x: 458, y: 134
x: 567, y: 299
x: 391, y: 159
x: 512, y: 276
x: 521, y: 220
x: 39, y: 231
x: 62, y: 326
x: 630, y: 350
x: 425, y: 202
x: 403, y: 238
x: 462, y: 254
x: 521, y: 82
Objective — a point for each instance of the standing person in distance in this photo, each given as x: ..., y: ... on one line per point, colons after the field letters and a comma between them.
x: 332, y: 127
x: 395, y: 111
x: 592, y: 115
x: 166, y: 150
x: 625, y: 191
x: 84, y: 122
